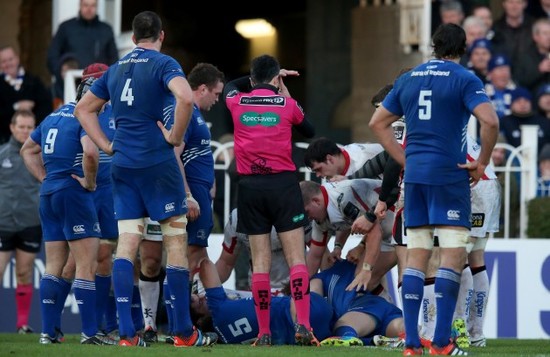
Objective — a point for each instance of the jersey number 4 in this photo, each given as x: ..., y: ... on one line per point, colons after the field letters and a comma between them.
x: 126, y: 95
x: 425, y: 105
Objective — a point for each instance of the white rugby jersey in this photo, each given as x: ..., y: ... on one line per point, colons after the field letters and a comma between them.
x: 473, y: 154
x: 357, y: 154
x: 346, y: 200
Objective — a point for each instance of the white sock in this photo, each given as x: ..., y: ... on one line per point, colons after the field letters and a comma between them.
x: 464, y: 296
x: 428, y: 312
x: 478, y: 305
x: 149, y: 291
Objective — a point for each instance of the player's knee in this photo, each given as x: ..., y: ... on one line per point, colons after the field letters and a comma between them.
x: 420, y: 238
x: 131, y: 226
x: 479, y: 244
x: 175, y: 227
x: 452, y: 238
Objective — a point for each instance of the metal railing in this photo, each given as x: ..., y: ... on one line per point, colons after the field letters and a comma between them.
x: 520, y: 160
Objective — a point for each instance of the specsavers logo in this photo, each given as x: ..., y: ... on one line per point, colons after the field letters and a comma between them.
x: 264, y: 119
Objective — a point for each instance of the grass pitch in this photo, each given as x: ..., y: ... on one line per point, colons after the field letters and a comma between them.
x: 27, y: 345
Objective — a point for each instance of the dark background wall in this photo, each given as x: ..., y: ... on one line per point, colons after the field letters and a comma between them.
x: 335, y: 44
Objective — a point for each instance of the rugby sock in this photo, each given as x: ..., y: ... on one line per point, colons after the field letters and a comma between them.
x: 111, y: 321
x: 85, y: 295
x: 465, y: 292
x: 23, y: 299
x: 168, y: 305
x: 64, y: 290
x: 149, y: 290
x: 427, y: 317
x: 478, y: 305
x: 261, y: 292
x: 102, y: 288
x: 137, y: 316
x: 123, y: 284
x: 345, y: 331
x: 447, y: 284
x: 412, y: 292
x: 178, y: 282
x: 399, y: 285
x: 299, y: 288
x: 50, y: 286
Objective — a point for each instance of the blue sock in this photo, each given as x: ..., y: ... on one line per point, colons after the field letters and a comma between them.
x: 168, y: 305
x: 84, y: 293
x: 447, y: 284
x: 102, y: 287
x: 137, y: 316
x: 123, y: 283
x: 178, y: 282
x: 367, y: 341
x: 64, y: 290
x: 111, y: 321
x: 345, y: 331
x: 49, y: 296
x: 412, y: 292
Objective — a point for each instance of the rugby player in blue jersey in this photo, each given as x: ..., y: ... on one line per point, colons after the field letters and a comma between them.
x: 437, y: 99
x: 147, y: 182
x: 60, y: 155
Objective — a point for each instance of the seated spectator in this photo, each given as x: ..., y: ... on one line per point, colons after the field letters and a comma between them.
x: 532, y: 68
x: 19, y: 90
x: 479, y: 57
x: 522, y: 114
x: 484, y: 13
x: 543, y: 182
x: 475, y: 29
x: 500, y: 84
x: 448, y: 11
x: 451, y: 12
x: 513, y: 30
x: 543, y: 100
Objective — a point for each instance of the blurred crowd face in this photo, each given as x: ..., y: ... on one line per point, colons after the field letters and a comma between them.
x: 475, y: 31
x: 485, y: 14
x: 480, y: 58
x: 22, y: 128
x: 541, y: 35
x: 521, y: 106
x: 544, y: 104
x: 499, y: 156
x: 9, y: 62
x: 452, y: 17
x: 500, y: 76
x: 514, y: 8
x: 88, y: 9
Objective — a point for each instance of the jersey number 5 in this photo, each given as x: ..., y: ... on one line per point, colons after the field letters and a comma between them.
x: 425, y: 105
x: 126, y: 95
x: 240, y: 326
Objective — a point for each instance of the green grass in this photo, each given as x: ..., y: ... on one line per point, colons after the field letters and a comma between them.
x: 27, y: 345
